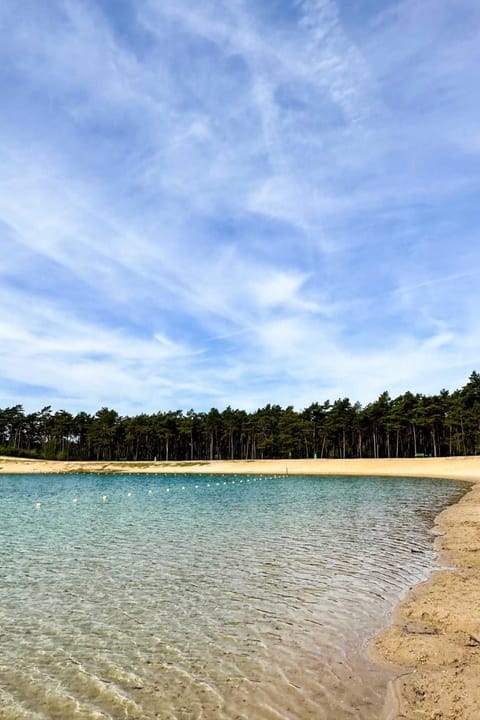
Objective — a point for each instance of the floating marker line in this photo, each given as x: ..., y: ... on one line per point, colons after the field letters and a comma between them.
x: 238, y: 480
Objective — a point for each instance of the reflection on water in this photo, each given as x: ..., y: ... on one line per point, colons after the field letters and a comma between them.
x: 220, y: 598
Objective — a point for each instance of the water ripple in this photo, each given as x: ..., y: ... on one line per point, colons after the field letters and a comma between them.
x: 217, y: 598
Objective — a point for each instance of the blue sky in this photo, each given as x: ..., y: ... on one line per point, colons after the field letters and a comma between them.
x: 211, y: 203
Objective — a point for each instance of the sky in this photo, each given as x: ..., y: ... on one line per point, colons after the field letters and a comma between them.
x: 237, y: 202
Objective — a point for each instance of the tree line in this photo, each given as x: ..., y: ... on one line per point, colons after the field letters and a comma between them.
x: 411, y: 424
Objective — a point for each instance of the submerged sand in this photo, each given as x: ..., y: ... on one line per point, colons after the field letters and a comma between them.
x: 434, y: 640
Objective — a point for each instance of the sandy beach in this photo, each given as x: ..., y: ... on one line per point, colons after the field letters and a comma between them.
x: 459, y: 468
x: 434, y: 638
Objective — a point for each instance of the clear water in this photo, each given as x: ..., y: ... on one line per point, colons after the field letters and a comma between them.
x: 221, y: 598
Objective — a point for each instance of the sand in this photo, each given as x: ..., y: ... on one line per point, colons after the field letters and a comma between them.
x: 460, y: 468
x: 434, y: 639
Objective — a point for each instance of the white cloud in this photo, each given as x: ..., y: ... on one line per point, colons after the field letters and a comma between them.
x: 214, y: 208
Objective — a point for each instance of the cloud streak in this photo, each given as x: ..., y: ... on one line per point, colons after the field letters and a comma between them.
x: 210, y: 204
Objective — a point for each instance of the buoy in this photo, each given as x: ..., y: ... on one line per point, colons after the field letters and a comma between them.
x: 129, y: 494
x: 75, y: 500
x: 104, y: 498
x: 38, y: 505
x: 167, y: 490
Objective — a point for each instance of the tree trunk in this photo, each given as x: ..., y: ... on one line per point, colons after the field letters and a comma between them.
x: 323, y: 446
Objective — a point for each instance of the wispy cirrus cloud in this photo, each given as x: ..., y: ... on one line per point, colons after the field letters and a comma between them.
x: 214, y: 203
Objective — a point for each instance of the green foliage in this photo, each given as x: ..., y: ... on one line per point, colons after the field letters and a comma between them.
x: 18, y: 452
x: 409, y: 425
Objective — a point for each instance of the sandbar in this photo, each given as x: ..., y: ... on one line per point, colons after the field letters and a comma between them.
x: 434, y: 639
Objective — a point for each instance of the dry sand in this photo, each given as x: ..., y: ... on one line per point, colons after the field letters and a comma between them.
x: 434, y: 640
x: 461, y: 468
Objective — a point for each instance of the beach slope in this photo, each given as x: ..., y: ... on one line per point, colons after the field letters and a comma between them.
x: 434, y: 639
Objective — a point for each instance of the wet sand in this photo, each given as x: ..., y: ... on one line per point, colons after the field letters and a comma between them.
x: 434, y: 639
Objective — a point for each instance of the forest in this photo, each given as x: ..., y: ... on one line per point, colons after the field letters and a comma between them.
x: 406, y: 426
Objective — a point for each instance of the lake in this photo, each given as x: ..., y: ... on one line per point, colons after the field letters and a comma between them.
x: 213, y: 597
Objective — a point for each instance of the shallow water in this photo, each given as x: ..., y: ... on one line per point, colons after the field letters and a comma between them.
x: 210, y: 597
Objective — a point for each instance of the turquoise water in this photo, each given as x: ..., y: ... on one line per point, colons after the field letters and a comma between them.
x: 214, y: 597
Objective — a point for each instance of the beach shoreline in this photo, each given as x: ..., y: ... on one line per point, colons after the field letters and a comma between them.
x: 454, y: 468
x: 433, y: 641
